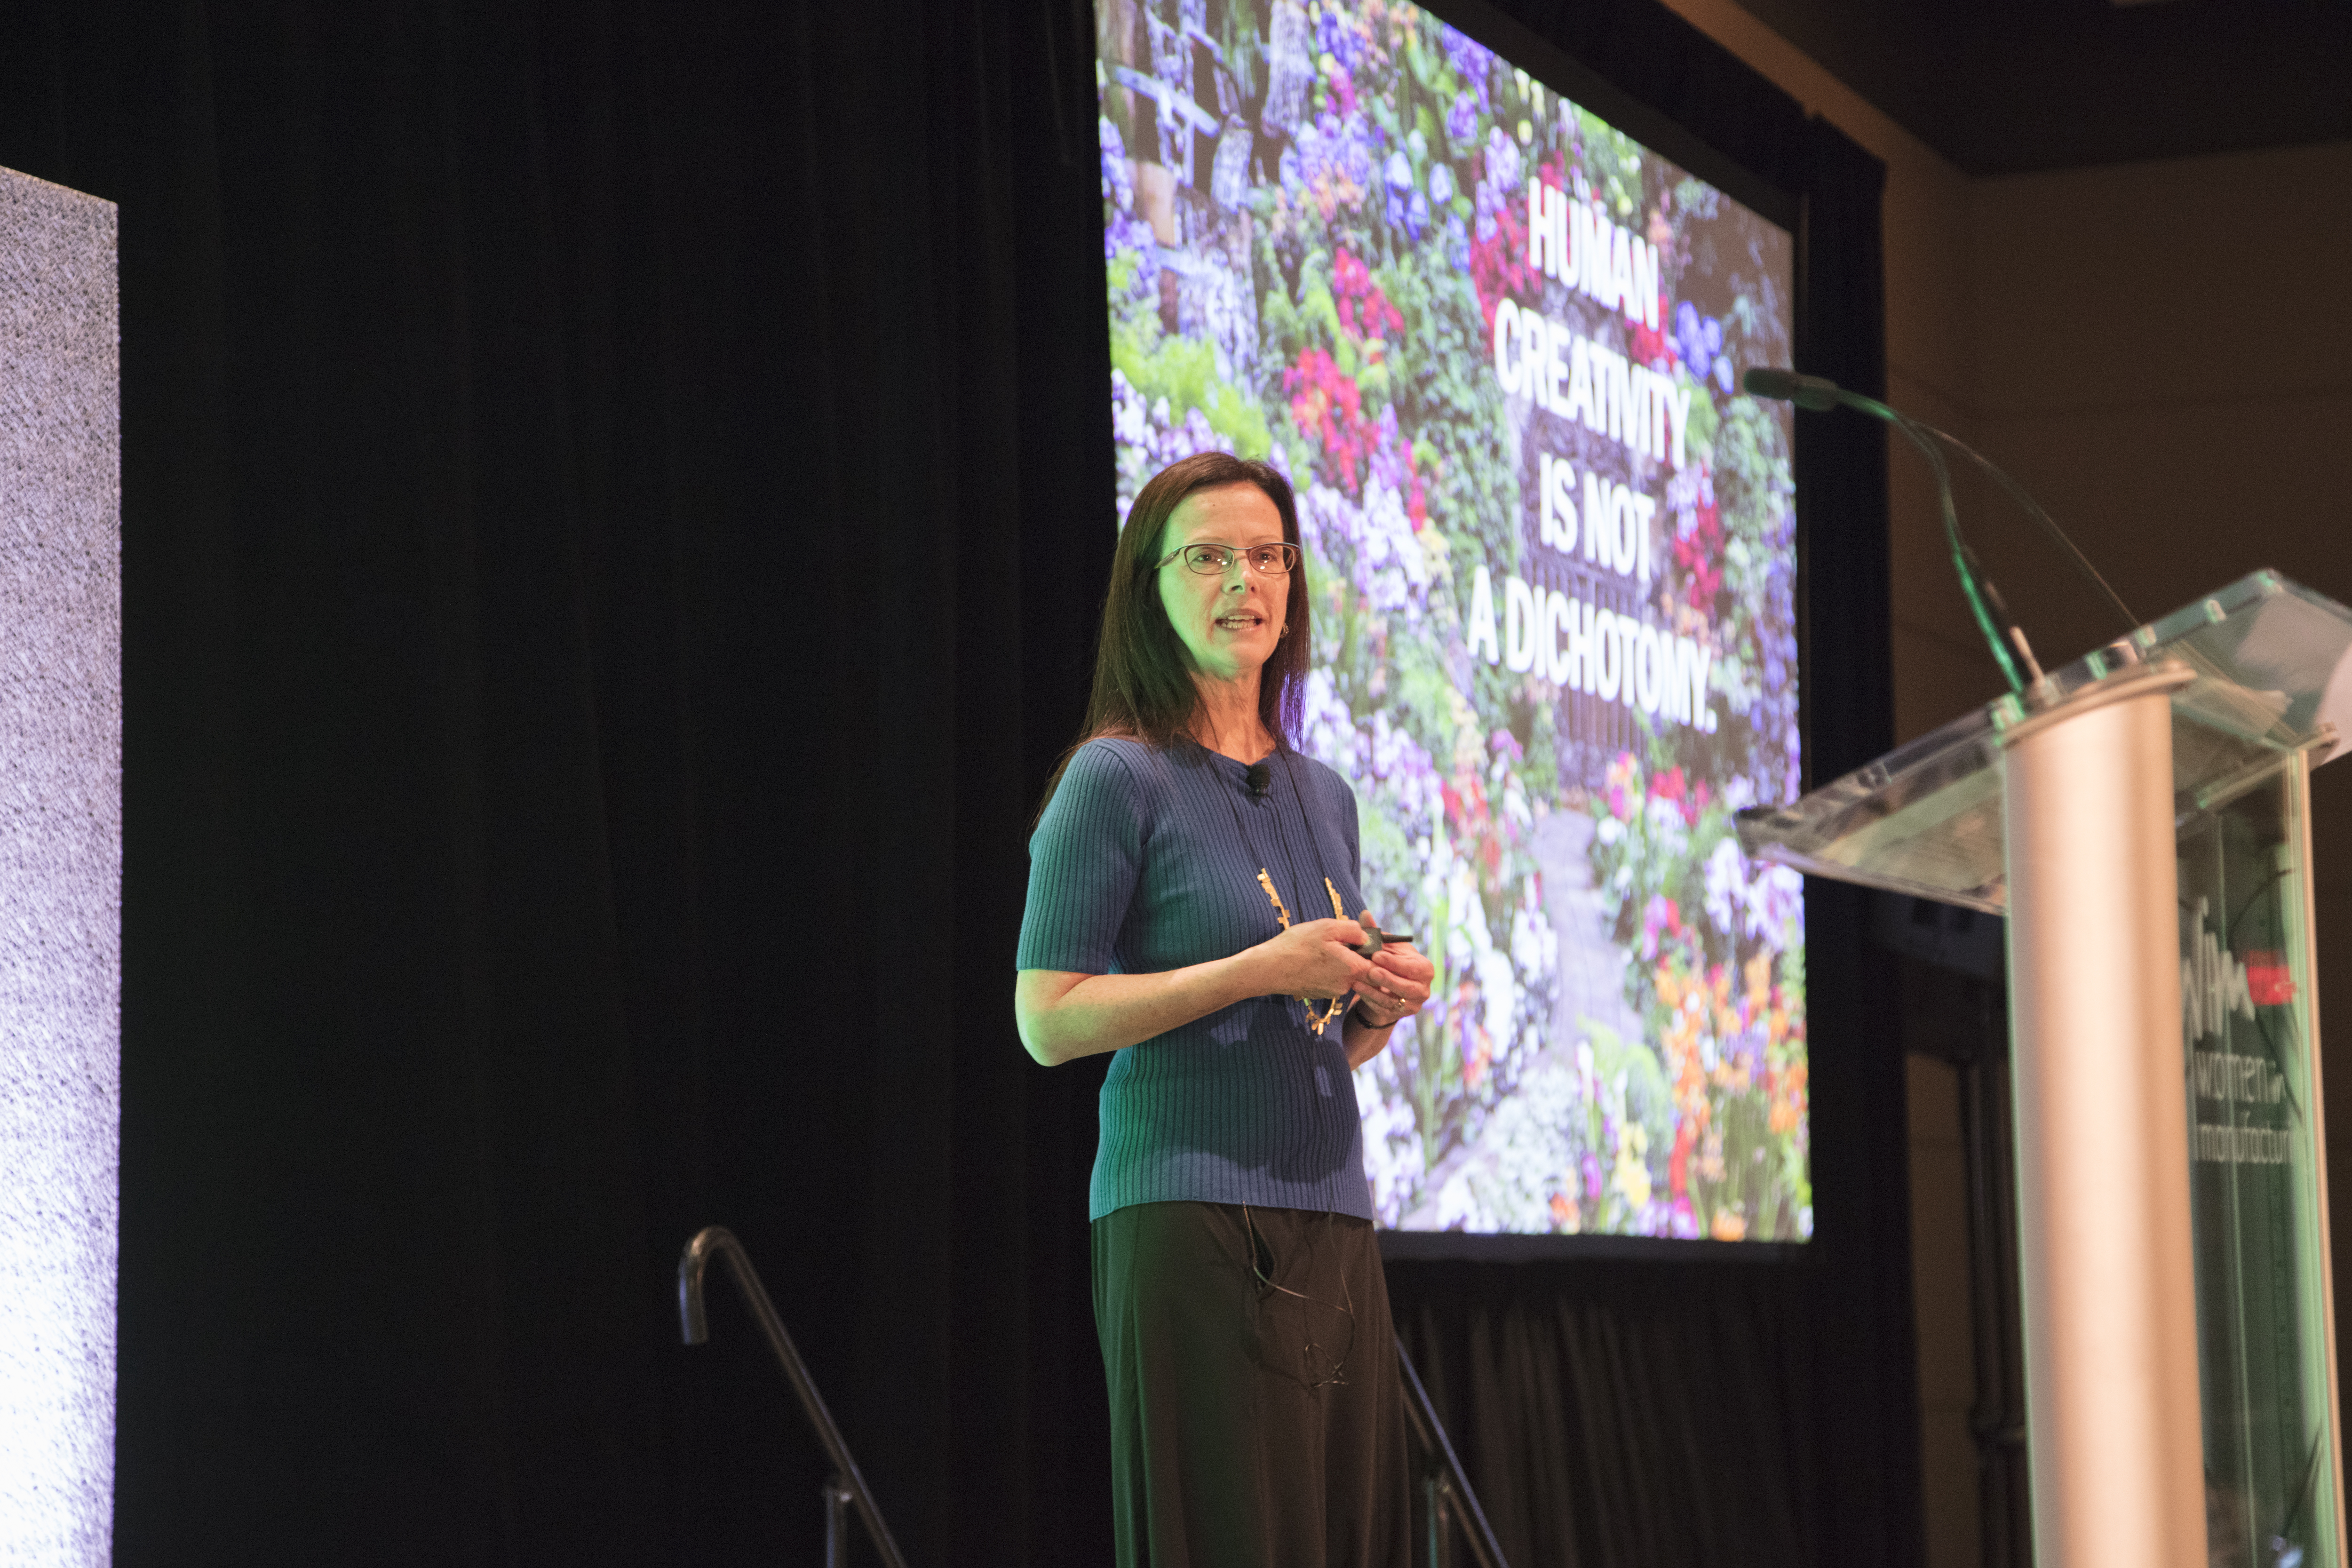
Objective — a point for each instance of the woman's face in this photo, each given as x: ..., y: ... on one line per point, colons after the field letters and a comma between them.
x: 1230, y: 623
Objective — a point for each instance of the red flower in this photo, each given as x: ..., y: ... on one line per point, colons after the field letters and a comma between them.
x: 1498, y: 264
x: 1343, y: 88
x: 1653, y: 347
x: 1678, y: 1165
x: 1699, y: 555
x: 1328, y: 407
x: 1364, y: 309
x: 1673, y: 788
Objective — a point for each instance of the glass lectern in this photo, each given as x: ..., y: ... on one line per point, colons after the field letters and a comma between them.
x: 2140, y: 818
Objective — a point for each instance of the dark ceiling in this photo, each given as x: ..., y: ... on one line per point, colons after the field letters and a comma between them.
x: 2006, y: 85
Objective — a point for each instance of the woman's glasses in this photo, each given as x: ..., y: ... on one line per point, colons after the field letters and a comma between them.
x: 1216, y: 560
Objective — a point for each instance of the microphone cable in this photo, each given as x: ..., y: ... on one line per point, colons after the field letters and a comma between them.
x: 2002, y: 632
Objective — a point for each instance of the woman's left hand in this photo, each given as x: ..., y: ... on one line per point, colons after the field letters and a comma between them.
x: 1396, y: 985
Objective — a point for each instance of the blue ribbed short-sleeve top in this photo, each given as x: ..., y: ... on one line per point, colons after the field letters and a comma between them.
x: 1147, y: 860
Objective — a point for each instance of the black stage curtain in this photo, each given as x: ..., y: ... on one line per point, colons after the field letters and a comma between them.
x: 1653, y: 1413
x: 588, y: 644
x: 615, y: 496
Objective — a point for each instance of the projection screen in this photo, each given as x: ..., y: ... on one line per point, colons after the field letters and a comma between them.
x: 1493, y: 341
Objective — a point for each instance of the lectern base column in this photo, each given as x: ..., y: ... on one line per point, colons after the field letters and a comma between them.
x: 2109, y: 1304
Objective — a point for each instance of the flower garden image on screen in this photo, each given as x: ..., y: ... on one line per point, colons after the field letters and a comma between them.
x: 1492, y: 341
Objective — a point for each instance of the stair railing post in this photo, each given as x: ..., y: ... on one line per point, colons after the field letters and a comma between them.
x: 1446, y: 1490
x: 1437, y: 1515
x: 837, y: 1524
x: 848, y: 1489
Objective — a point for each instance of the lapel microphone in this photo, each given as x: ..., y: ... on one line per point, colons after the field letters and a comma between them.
x: 1259, y: 777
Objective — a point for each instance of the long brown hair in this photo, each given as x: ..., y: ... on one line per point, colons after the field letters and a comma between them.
x: 1144, y: 681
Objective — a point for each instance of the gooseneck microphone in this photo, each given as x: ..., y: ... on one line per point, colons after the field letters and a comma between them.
x: 1817, y: 392
x: 1259, y: 777
x: 1820, y: 394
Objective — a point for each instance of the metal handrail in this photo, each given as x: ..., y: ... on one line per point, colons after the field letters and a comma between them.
x: 1446, y: 1486
x: 847, y: 1487
x: 1445, y: 1489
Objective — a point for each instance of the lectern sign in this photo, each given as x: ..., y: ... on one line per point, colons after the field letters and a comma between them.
x: 2254, y: 1184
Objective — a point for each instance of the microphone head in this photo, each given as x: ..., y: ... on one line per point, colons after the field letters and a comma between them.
x: 1259, y: 777
x: 1816, y: 392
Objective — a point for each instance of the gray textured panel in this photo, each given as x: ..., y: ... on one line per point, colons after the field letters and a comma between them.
x: 60, y: 870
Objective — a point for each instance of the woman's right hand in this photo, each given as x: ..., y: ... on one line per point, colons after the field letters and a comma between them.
x: 1319, y: 959
x: 1065, y: 1015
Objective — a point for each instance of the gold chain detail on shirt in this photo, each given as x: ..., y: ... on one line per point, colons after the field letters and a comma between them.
x: 1314, y: 1021
x: 1280, y: 913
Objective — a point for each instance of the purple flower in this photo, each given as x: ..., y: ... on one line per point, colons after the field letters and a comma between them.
x: 1657, y: 917
x: 1499, y: 184
x: 1502, y: 164
x: 1122, y: 230
x: 1387, y: 462
x: 1332, y: 525
x: 1691, y: 338
x: 1778, y: 898
x: 1337, y: 156
x: 1118, y: 188
x: 1457, y: 245
x: 1726, y: 886
x: 1327, y: 729
x: 1129, y: 234
x: 1131, y: 420
x: 1471, y: 60
x: 1461, y: 120
x: 1406, y: 208
x: 1342, y: 37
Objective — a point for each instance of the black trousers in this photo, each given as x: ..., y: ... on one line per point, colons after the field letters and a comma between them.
x: 1256, y: 1416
